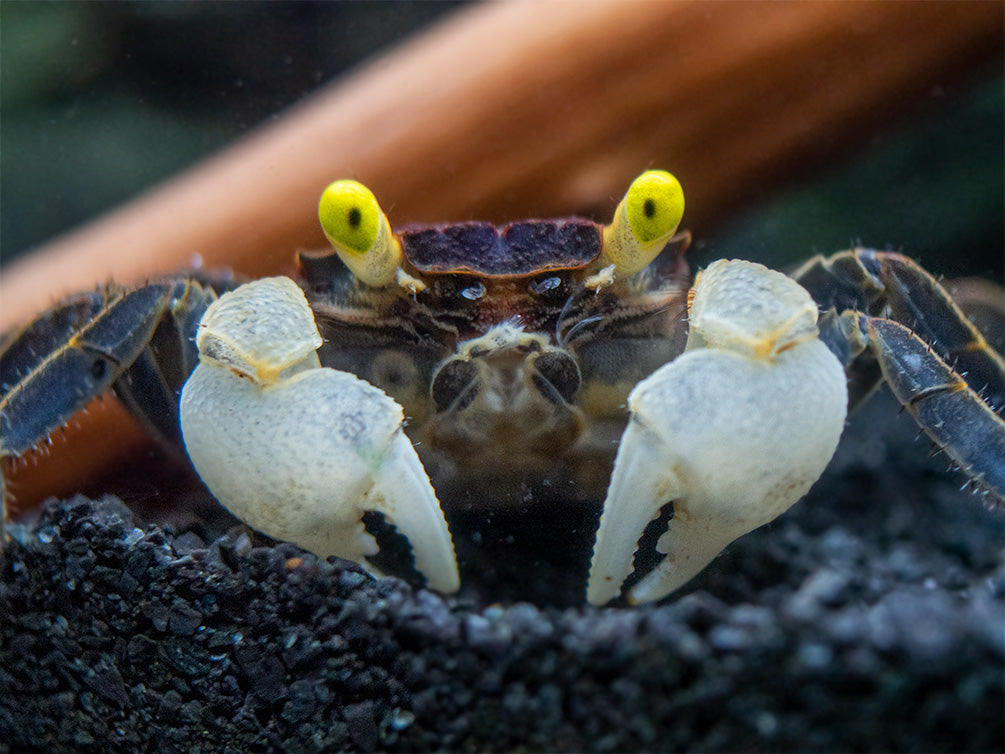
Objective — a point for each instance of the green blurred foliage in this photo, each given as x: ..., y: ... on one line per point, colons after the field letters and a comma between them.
x: 101, y: 100
x: 933, y: 188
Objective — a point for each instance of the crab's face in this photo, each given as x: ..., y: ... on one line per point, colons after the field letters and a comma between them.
x: 512, y: 350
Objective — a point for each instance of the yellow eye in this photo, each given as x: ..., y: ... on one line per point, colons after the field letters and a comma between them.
x: 643, y: 222
x: 358, y: 230
x: 654, y: 205
x: 350, y: 216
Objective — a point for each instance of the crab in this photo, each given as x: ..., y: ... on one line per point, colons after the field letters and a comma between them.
x: 465, y: 363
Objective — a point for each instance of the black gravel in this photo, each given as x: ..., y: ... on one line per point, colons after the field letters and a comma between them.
x: 870, y: 617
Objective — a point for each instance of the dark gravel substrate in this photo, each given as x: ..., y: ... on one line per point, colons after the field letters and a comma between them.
x: 870, y: 617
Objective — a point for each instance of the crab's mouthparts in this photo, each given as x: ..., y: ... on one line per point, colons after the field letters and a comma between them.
x: 506, y: 408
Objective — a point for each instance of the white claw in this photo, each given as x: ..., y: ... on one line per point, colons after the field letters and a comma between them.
x: 734, y: 431
x: 299, y: 451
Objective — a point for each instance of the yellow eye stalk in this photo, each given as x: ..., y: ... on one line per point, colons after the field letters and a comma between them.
x: 355, y: 225
x: 643, y: 222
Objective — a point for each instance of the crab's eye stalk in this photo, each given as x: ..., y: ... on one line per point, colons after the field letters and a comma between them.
x: 643, y: 222
x: 355, y: 225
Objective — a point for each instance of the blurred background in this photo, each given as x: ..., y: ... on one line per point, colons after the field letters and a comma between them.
x: 102, y: 100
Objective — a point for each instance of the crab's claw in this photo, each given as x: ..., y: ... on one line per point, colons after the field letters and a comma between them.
x: 299, y: 451
x: 733, y: 432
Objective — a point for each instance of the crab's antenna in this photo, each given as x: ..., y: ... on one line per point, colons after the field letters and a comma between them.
x: 579, y: 326
x: 579, y: 291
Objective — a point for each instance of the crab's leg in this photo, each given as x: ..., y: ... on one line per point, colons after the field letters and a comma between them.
x: 299, y: 451
x: 90, y: 342
x: 945, y: 407
x: 733, y: 432
x: 76, y: 371
x: 889, y: 319
x: 886, y: 284
x: 154, y: 381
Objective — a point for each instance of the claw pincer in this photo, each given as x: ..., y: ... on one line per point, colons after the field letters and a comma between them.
x: 300, y: 451
x: 733, y: 432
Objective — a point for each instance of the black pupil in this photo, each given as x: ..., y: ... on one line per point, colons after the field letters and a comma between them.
x: 355, y: 217
x: 649, y: 207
